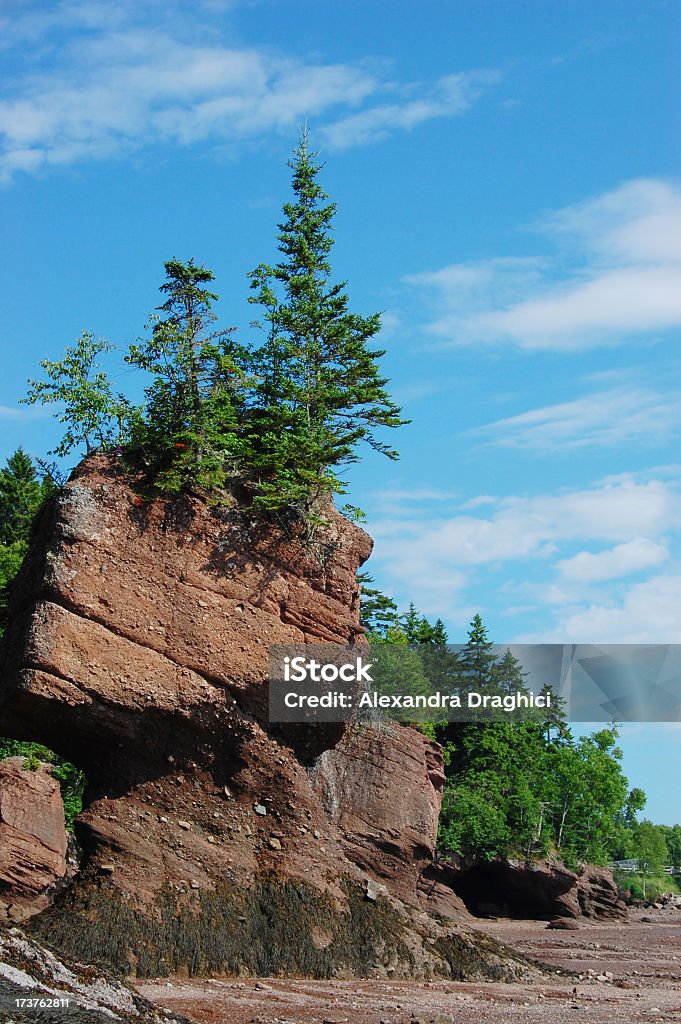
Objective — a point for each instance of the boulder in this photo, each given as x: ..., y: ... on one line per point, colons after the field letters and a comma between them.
x: 33, y: 839
x: 566, y: 924
x: 594, y: 895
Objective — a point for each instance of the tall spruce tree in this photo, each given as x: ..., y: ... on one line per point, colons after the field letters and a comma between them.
x: 319, y: 391
x: 194, y: 410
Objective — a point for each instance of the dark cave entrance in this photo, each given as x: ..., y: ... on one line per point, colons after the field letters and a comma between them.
x: 498, y: 889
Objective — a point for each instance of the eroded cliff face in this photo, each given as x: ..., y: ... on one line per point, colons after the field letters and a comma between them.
x: 138, y: 647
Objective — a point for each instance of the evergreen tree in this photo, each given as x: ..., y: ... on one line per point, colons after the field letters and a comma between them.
x: 376, y: 611
x: 319, y: 391
x: 21, y: 495
x: 420, y: 631
x: 477, y: 657
x: 22, y: 492
x: 195, y: 405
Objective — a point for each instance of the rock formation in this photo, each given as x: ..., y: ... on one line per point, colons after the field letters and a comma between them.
x: 32, y: 839
x: 69, y: 991
x: 137, y: 647
x: 540, y: 889
x: 594, y: 895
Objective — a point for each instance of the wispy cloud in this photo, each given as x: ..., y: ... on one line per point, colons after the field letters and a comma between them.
x: 621, y: 560
x: 94, y: 80
x: 600, y: 419
x: 14, y: 414
x: 643, y: 613
x: 616, y: 275
x: 576, y: 540
x: 449, y: 96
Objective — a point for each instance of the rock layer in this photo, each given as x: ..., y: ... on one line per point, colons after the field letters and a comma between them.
x: 137, y: 647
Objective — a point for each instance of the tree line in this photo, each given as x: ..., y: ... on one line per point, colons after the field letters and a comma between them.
x: 522, y: 788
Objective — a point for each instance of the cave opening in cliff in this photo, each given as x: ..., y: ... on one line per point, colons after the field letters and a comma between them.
x: 495, y: 889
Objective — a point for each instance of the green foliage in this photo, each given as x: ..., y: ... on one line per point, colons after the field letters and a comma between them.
x: 472, y: 821
x: 353, y: 513
x: 649, y: 847
x: 272, y: 422
x: 376, y: 611
x: 650, y: 887
x: 93, y: 416
x: 22, y: 494
x: 319, y: 392
x: 189, y: 431
x: 672, y: 836
x: 513, y: 788
x: 11, y: 557
x: 71, y: 780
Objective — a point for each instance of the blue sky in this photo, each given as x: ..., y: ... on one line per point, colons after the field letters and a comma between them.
x: 507, y: 175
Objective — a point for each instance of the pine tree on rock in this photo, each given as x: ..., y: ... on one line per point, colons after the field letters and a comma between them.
x: 194, y: 410
x: 319, y: 391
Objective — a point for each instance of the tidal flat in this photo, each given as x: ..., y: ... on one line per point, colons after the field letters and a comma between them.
x: 624, y: 973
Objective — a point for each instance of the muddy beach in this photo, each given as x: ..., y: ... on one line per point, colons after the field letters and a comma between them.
x: 610, y: 972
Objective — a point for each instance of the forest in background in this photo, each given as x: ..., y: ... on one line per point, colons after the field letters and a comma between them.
x: 527, y: 789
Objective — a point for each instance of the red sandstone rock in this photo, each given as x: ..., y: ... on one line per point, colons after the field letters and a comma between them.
x: 383, y: 788
x: 594, y: 895
x: 138, y: 647
x: 32, y: 838
x: 534, y: 889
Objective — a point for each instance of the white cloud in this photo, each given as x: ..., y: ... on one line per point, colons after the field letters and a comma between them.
x: 617, y: 275
x: 135, y: 88
x: 601, y: 419
x: 436, y: 560
x: 621, y: 560
x: 449, y: 96
x: 647, y: 613
x: 95, y: 80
